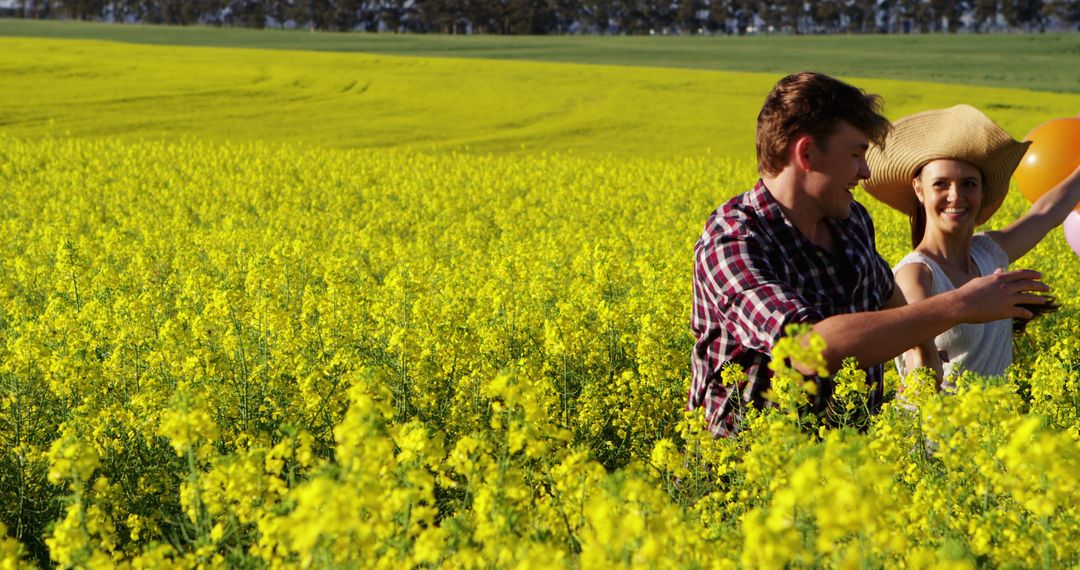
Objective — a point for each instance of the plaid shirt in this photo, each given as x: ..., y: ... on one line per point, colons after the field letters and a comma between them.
x: 754, y: 274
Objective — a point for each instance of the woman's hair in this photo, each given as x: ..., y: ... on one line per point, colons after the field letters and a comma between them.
x: 814, y: 104
x: 918, y: 224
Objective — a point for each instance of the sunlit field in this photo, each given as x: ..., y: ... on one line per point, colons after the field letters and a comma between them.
x: 92, y: 89
x: 280, y: 309
x: 1044, y: 61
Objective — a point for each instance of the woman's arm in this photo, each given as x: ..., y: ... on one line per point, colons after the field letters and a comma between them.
x: 1045, y: 214
x: 916, y: 281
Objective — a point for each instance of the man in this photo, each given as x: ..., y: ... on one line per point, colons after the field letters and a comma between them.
x: 797, y: 248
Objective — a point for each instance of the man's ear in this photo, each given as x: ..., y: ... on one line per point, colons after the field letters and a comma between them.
x: 802, y: 149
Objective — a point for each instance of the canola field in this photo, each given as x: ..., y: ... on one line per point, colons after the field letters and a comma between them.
x: 231, y: 338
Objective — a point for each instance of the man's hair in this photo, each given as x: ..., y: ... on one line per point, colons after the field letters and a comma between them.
x: 813, y: 104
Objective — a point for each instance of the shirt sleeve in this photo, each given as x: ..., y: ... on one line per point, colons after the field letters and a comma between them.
x: 754, y: 302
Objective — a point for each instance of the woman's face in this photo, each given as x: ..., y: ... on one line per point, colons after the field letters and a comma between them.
x: 951, y: 194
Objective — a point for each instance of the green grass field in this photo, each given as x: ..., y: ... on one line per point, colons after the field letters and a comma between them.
x: 1031, y: 61
x: 100, y: 89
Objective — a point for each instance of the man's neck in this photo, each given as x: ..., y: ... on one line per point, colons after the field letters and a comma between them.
x: 801, y: 212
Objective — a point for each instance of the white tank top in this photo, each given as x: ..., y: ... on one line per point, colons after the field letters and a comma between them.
x: 983, y: 348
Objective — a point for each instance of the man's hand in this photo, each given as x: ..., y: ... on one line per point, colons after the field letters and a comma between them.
x: 996, y: 296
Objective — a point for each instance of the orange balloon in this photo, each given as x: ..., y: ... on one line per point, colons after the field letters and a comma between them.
x: 1053, y: 155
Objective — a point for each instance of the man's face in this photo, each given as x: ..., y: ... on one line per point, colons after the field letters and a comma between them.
x: 836, y: 169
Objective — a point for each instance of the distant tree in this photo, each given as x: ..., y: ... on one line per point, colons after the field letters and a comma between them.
x: 563, y: 16
x: 861, y: 15
x: 983, y: 13
x: 159, y: 12
x: 346, y: 14
x: 566, y: 13
x: 716, y: 16
x: 745, y: 14
x: 392, y: 14
x: 720, y: 13
x: 924, y: 17
x: 885, y: 13
x: 491, y: 16
x: 693, y: 16
x: 37, y: 9
x: 1065, y: 11
x: 280, y: 11
x: 1023, y: 13
x: 903, y: 15
x: 769, y: 12
x: 83, y: 9
x: 662, y: 14
x: 316, y: 14
x: 248, y: 13
x: 632, y: 15
x: 444, y: 16
x: 782, y: 14
x: 794, y: 15
x: 528, y: 17
x: 487, y: 16
x: 597, y: 14
x: 828, y: 14
x: 951, y: 11
x: 908, y: 15
x: 177, y: 12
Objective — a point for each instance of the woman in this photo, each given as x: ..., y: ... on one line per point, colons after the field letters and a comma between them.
x: 949, y: 170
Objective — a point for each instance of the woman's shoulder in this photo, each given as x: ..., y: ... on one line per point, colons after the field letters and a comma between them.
x: 984, y: 246
x: 983, y: 240
x: 914, y: 261
x: 915, y: 276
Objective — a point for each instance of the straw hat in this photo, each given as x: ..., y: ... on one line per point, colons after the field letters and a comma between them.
x: 959, y: 133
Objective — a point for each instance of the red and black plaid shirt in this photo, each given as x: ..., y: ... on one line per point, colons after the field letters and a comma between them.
x: 754, y: 274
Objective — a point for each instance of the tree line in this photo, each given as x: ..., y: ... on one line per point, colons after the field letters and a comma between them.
x: 577, y: 16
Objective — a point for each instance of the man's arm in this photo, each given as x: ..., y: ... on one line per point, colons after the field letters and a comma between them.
x: 878, y: 336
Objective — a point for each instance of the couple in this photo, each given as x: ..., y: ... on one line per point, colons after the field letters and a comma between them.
x: 797, y: 248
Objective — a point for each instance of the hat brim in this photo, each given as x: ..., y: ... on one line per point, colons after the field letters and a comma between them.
x: 958, y: 133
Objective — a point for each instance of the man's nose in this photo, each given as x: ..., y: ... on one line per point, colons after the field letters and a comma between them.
x: 864, y: 169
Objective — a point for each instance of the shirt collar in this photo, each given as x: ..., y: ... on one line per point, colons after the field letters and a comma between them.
x: 763, y: 202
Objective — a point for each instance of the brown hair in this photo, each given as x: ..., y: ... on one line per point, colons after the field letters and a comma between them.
x: 814, y: 104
